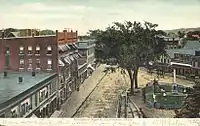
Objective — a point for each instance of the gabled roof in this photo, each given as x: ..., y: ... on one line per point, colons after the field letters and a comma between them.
x: 189, y: 48
x: 192, y: 45
x: 13, y: 34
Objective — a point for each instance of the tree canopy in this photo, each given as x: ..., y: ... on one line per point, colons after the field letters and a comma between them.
x: 47, y: 32
x: 129, y: 46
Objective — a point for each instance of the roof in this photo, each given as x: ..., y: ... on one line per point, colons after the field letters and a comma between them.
x: 189, y: 48
x: 15, y: 34
x: 10, y: 88
x: 181, y: 64
x: 84, y: 44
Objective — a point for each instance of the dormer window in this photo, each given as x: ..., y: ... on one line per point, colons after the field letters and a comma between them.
x: 49, y: 50
x: 21, y: 50
x: 37, y: 53
x: 30, y: 51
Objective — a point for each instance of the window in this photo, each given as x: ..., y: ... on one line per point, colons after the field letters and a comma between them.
x: 37, y: 53
x: 21, y: 50
x: 43, y: 94
x: 7, y: 50
x: 13, y: 114
x: 83, y: 53
x: 49, y: 64
x: 21, y: 64
x: 29, y: 63
x: 49, y: 50
x: 37, y: 63
x: 23, y: 111
x: 7, y: 56
x: 36, y: 99
x: 29, y: 50
x: 61, y: 79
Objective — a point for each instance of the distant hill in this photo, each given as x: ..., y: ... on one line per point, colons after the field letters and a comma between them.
x: 183, y: 29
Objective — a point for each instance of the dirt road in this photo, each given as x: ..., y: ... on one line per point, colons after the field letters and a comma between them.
x: 102, y: 102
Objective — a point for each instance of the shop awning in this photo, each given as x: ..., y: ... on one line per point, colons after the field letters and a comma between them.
x: 67, y: 60
x: 71, y: 57
x: 61, y: 63
x: 33, y: 116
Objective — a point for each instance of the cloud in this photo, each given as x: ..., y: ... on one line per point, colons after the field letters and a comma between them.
x: 89, y: 14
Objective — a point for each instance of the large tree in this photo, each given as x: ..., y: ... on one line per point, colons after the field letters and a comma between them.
x: 129, y: 46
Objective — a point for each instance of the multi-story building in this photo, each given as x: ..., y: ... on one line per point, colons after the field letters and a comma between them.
x: 87, y: 49
x: 24, y: 94
x: 29, y: 79
x: 42, y: 72
x: 189, y: 54
x: 72, y: 67
x: 32, y: 54
x: 170, y: 43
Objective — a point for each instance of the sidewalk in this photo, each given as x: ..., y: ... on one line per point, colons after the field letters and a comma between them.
x: 69, y: 108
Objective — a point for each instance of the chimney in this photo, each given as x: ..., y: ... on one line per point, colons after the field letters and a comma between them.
x: 5, y: 74
x: 29, y: 32
x: 33, y: 34
x: 3, y: 34
x: 20, y: 79
x: 33, y: 74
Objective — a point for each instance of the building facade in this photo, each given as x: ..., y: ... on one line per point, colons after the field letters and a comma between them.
x: 32, y: 54
x: 189, y: 54
x: 28, y: 76
x: 25, y: 98
x: 72, y: 67
x: 87, y: 49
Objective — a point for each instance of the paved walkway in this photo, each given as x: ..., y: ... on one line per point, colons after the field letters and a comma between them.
x: 70, y: 107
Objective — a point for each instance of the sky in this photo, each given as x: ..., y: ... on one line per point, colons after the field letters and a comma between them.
x: 83, y: 15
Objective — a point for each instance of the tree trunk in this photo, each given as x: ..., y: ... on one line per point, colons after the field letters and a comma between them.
x: 135, y: 76
x: 132, y: 81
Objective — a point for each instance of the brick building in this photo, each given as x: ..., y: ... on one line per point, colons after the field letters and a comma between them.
x: 72, y: 67
x: 29, y: 54
x: 49, y: 67
x: 28, y: 76
x: 67, y: 36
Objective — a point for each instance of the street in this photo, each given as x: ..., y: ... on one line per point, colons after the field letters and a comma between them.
x: 103, y: 101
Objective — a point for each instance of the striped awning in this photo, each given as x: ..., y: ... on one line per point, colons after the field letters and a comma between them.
x: 71, y: 57
x: 61, y: 63
x: 67, y: 60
